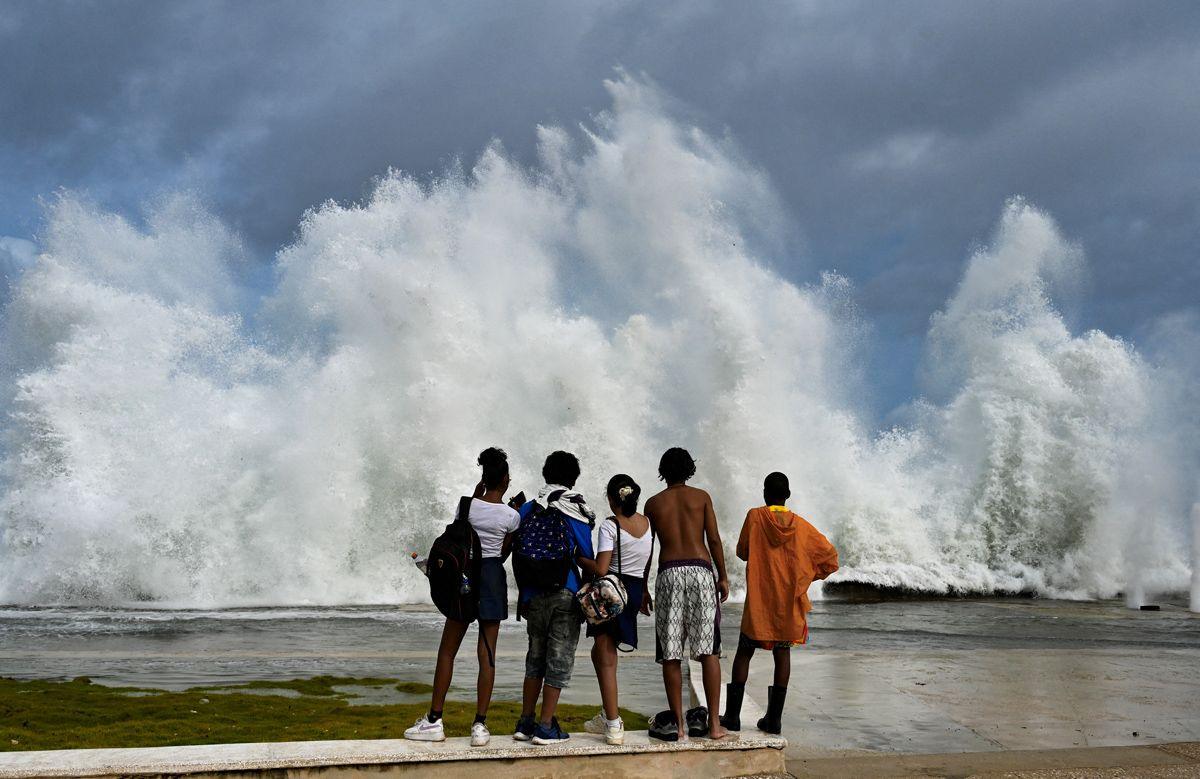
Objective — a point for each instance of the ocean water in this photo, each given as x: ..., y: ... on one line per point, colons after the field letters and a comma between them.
x: 183, y: 648
x: 176, y: 437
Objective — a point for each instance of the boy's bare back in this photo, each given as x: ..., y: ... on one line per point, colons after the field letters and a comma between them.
x: 678, y: 516
x: 685, y: 526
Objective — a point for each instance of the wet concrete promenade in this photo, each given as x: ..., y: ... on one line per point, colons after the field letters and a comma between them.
x: 582, y: 757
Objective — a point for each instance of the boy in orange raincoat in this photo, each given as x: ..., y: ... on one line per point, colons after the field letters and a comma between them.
x: 784, y: 554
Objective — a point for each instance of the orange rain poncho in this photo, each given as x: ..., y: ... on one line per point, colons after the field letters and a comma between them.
x: 784, y: 554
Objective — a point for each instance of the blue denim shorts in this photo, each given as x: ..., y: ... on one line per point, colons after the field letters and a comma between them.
x: 553, y: 627
x: 493, y: 590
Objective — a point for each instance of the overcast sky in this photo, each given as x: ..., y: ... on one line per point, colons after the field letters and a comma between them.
x: 893, y: 131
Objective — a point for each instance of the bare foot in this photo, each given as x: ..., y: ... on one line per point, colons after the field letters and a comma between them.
x: 683, y: 736
x: 716, y: 730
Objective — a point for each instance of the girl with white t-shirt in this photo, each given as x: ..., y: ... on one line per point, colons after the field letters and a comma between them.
x: 625, y: 546
x: 494, y: 523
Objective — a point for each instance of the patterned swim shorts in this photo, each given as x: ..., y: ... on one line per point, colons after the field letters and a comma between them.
x: 687, y: 611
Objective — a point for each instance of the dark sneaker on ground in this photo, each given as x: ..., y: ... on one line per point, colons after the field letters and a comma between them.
x: 525, y: 728
x: 663, y: 727
x: 550, y: 735
x: 697, y: 721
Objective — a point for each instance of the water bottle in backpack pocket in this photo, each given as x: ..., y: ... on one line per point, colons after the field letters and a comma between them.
x: 453, y: 568
x: 544, y: 552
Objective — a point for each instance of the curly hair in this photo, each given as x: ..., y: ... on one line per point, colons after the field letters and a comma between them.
x: 676, y: 466
x: 561, y: 468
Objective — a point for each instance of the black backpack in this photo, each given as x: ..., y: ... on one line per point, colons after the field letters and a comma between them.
x: 544, y: 552
x: 453, y: 568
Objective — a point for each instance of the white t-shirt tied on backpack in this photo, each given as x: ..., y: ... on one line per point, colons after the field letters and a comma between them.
x: 492, y: 522
x: 635, y: 552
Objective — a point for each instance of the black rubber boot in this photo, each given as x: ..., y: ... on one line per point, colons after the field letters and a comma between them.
x: 772, y: 722
x: 732, y: 718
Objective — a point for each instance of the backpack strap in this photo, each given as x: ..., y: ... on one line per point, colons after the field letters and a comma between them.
x: 620, y: 570
x: 475, y: 555
x: 551, y: 498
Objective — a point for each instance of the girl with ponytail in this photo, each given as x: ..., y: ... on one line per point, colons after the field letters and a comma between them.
x: 494, y: 523
x: 625, y: 546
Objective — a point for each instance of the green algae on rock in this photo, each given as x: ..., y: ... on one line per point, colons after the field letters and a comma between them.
x: 78, y: 714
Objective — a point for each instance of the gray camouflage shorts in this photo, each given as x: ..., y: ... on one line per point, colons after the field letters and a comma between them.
x: 553, y: 627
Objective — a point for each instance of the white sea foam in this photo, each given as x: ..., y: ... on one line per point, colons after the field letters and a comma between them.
x: 614, y: 300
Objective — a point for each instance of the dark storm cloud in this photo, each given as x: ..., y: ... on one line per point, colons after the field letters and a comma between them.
x: 894, y: 131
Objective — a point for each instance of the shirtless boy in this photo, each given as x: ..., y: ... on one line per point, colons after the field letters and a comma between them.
x: 687, y: 596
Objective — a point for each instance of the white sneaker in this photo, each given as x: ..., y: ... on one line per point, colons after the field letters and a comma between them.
x: 424, y: 730
x: 597, y: 724
x: 614, y: 732
x: 480, y: 735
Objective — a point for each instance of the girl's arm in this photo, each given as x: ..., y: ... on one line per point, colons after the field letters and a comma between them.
x: 588, y: 565
x: 507, y: 544
x: 595, y: 567
x: 602, y: 562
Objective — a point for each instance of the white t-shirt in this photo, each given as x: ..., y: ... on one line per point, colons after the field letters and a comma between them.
x: 634, y: 551
x: 492, y: 522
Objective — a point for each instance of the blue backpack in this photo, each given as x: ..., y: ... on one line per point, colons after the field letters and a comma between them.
x: 544, y: 552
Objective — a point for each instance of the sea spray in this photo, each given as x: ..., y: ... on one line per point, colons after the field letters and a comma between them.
x: 616, y: 299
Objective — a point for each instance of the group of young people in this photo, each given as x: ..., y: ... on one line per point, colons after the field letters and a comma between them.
x: 783, y: 553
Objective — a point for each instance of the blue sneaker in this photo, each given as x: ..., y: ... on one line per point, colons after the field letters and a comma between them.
x: 550, y: 735
x: 525, y: 727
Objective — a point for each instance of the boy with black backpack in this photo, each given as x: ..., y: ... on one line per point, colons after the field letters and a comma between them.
x: 553, y: 542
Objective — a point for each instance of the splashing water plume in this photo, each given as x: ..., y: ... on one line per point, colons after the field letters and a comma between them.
x: 615, y: 300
